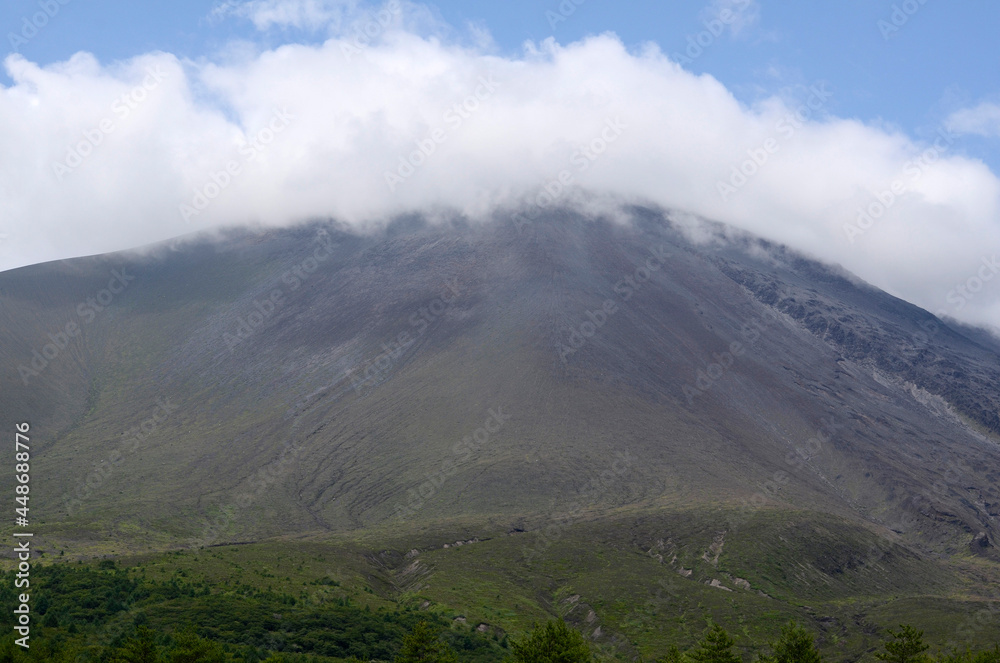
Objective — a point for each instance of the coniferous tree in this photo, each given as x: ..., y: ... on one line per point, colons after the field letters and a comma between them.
x: 673, y: 655
x: 796, y: 645
x: 190, y: 648
x: 956, y: 656
x: 907, y: 646
x: 968, y: 656
x: 988, y: 655
x: 140, y: 648
x: 716, y: 646
x: 423, y: 645
x: 554, y: 642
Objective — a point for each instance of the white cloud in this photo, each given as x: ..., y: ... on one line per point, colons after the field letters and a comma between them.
x: 362, y: 21
x: 736, y: 15
x: 983, y: 120
x: 300, y: 14
x: 359, y: 108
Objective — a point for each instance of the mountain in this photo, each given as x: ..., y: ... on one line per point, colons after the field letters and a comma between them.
x: 577, y: 378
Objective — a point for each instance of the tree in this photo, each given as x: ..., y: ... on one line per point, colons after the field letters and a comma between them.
x: 423, y: 645
x: 907, y: 646
x: 796, y: 645
x: 673, y: 655
x: 969, y: 656
x: 988, y: 656
x: 11, y: 653
x: 190, y: 648
x: 956, y: 656
x: 140, y: 648
x: 715, y: 647
x: 554, y: 642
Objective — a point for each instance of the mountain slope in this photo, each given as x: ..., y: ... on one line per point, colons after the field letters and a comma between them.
x: 312, y: 380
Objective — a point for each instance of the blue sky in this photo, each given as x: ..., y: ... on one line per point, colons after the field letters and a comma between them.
x: 865, y: 133
x: 944, y: 56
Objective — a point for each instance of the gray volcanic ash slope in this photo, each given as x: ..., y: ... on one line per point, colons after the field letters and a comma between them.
x: 311, y: 379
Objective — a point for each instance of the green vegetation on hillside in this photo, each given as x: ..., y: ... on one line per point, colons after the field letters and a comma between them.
x: 180, y: 607
x: 360, y: 635
x: 106, y: 613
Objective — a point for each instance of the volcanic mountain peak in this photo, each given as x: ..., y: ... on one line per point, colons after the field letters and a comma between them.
x: 322, y: 380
